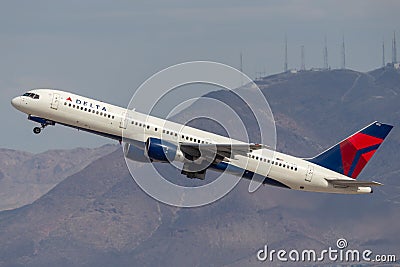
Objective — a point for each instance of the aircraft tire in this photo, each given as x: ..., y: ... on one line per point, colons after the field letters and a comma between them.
x: 37, y: 130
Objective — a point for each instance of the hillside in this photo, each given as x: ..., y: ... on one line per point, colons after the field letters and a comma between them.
x: 24, y: 177
x: 99, y: 217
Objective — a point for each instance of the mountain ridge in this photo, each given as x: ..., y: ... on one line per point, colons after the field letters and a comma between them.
x: 99, y: 216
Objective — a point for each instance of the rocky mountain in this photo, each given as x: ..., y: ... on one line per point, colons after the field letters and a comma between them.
x: 100, y: 217
x: 24, y: 177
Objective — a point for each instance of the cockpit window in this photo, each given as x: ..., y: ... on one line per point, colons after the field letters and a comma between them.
x: 31, y: 95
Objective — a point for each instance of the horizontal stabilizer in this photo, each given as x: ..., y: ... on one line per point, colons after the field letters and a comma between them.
x: 349, y: 183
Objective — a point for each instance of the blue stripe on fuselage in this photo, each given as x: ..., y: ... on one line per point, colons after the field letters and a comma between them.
x: 222, y: 166
x: 94, y: 132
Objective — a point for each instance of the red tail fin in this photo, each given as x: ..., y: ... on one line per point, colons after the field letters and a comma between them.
x: 351, y: 155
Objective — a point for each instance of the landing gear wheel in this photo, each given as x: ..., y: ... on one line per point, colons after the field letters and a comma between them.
x: 37, y: 130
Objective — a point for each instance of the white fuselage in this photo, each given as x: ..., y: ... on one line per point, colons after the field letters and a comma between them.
x: 113, y: 121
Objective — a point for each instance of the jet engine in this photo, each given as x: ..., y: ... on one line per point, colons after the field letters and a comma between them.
x: 134, y: 153
x: 160, y: 150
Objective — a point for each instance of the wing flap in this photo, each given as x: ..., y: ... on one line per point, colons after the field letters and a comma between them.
x: 222, y: 150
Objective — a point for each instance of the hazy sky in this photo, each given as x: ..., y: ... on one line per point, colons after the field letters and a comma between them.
x: 106, y: 49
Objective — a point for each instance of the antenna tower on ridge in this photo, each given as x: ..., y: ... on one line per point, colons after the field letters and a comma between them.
x: 285, y: 65
x: 383, y: 53
x: 326, y: 66
x: 394, y: 49
x: 343, y: 55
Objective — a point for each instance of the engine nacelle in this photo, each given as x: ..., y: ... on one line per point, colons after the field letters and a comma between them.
x: 134, y: 153
x: 160, y: 150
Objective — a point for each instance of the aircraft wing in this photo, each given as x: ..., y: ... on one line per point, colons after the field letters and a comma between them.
x: 219, y: 150
x: 210, y: 153
x: 350, y: 183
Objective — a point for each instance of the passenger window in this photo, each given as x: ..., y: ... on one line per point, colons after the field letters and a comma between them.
x: 155, y: 129
x: 85, y: 109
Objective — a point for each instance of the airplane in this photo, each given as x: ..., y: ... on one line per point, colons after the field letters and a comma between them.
x: 153, y: 139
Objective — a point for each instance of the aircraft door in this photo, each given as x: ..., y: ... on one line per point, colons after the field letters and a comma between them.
x: 124, y: 120
x: 55, y: 101
x: 309, y: 173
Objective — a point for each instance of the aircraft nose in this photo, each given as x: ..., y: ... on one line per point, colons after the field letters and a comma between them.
x: 16, y: 102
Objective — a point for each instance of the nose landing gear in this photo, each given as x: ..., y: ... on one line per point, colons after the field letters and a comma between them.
x: 37, y: 130
x: 43, y: 122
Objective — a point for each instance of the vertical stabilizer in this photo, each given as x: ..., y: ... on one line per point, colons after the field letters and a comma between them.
x: 350, y: 156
